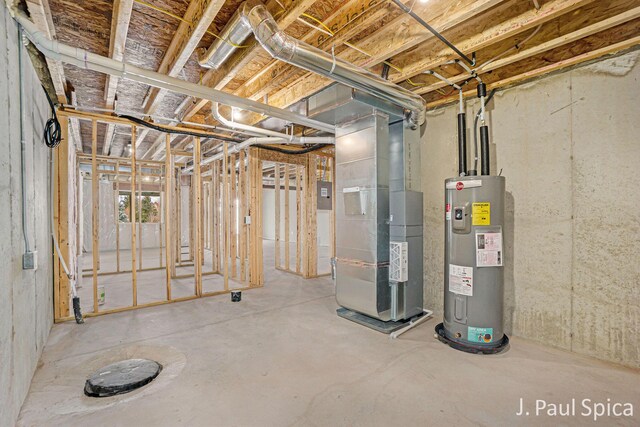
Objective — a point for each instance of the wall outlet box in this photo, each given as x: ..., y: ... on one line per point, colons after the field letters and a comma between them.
x: 30, y: 260
x: 247, y: 220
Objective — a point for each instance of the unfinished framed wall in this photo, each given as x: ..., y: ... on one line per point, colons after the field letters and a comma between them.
x: 303, y: 214
x: 149, y: 233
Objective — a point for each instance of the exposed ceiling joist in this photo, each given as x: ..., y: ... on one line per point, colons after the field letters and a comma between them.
x: 120, y: 18
x: 544, y: 47
x: 41, y: 16
x: 347, y: 21
x: 75, y: 126
x: 400, y: 34
x: 491, y: 35
x: 220, y: 77
x: 201, y: 13
x: 141, y: 136
x: 528, y: 75
x: 153, y: 149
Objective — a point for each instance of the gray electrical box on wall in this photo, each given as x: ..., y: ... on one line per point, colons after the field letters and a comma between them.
x: 325, y: 202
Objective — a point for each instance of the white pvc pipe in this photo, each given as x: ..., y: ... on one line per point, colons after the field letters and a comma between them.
x: 291, y: 139
x: 86, y: 60
x: 215, y: 112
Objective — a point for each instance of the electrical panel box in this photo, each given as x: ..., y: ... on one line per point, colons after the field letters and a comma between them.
x: 398, y: 262
x: 325, y: 201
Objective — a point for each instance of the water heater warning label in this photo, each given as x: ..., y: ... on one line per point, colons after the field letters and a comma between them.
x: 461, y: 279
x: 481, y: 213
x: 489, y: 249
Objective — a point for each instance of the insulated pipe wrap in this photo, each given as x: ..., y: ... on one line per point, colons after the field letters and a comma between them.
x: 484, y: 149
x: 462, y: 144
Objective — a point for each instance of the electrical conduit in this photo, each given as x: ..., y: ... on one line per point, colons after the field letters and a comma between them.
x: 90, y: 61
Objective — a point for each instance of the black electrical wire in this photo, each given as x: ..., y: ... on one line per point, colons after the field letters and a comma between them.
x: 52, y: 130
x: 175, y: 131
x: 475, y: 130
x: 305, y: 150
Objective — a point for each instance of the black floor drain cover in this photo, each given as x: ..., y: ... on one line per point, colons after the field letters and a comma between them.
x: 121, y: 377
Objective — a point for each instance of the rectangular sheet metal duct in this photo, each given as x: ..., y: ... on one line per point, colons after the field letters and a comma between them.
x: 378, y: 201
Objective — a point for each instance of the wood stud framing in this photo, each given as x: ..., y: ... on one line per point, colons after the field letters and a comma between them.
x: 242, y: 199
x: 95, y: 180
x: 168, y: 229
x: 277, y: 215
x: 133, y: 217
x: 225, y: 212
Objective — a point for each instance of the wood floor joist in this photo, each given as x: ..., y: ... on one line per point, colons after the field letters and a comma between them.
x: 543, y: 47
x: 397, y: 36
x: 41, y: 15
x: 118, y: 39
x: 520, y: 78
x: 219, y: 78
x: 201, y: 14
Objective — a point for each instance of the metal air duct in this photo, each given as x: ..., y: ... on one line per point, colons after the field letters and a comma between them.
x: 255, y: 16
x: 234, y: 34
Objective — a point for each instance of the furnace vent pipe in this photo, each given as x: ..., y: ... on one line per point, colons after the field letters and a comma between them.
x: 86, y: 60
x: 280, y: 45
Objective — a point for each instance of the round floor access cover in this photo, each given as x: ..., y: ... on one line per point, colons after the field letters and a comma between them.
x: 121, y: 377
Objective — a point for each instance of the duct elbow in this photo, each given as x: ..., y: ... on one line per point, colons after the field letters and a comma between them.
x: 232, y: 37
x: 416, y: 117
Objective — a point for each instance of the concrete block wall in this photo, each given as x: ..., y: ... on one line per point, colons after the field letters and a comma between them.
x: 26, y: 297
x: 568, y: 147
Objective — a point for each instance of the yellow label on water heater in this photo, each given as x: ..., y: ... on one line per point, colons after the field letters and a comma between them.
x: 481, y: 213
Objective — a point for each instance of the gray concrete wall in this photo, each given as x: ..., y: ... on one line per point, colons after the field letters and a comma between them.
x: 568, y: 147
x: 26, y: 306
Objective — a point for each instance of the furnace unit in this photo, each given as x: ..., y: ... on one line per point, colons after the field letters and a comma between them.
x: 378, y: 264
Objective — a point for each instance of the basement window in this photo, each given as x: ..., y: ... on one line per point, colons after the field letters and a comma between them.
x: 147, y: 207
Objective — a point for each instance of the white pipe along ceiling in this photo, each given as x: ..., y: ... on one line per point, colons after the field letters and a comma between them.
x: 215, y: 112
x: 86, y: 60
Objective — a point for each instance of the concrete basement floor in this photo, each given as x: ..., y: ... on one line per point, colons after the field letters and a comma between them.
x: 283, y: 357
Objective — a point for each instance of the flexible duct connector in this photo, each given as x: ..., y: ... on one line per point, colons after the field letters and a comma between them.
x: 255, y: 16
